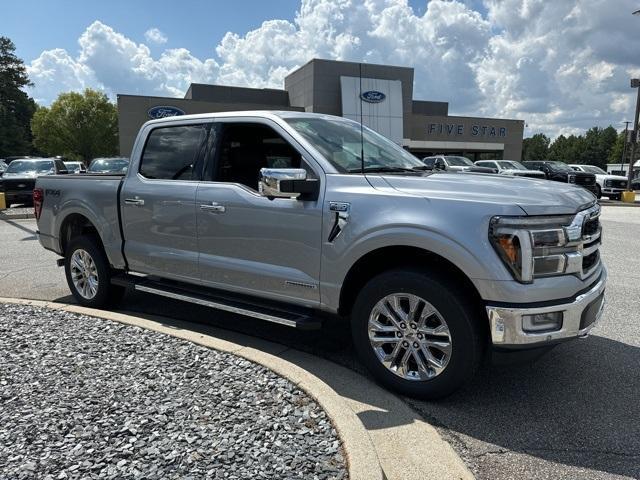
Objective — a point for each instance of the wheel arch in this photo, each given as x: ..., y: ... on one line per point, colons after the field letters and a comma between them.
x: 388, y: 258
x: 74, y: 225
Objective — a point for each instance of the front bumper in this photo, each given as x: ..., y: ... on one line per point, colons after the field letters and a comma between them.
x: 579, y: 316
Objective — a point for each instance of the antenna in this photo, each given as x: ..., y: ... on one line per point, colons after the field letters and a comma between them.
x: 361, y: 128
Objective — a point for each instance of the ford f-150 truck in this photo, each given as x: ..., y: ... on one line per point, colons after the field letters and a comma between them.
x: 289, y: 217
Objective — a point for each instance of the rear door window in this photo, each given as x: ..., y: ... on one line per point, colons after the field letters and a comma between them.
x: 174, y: 153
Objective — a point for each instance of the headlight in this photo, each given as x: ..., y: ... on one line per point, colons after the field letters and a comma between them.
x: 534, y: 247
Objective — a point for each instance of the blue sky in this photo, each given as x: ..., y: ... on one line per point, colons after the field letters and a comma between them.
x: 561, y: 66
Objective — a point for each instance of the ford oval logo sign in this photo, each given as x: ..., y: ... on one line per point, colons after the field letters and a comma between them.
x: 164, y: 111
x: 373, y: 96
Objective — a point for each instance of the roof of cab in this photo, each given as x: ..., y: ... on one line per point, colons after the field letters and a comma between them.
x: 244, y: 113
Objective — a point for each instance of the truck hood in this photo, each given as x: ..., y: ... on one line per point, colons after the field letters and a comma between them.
x: 535, y: 197
x: 23, y: 175
x: 602, y: 177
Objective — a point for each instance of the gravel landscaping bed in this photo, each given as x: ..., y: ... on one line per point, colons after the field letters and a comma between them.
x: 82, y: 397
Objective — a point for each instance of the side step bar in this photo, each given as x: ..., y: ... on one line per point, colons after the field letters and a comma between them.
x: 265, y: 310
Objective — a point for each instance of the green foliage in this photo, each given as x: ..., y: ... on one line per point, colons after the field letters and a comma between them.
x: 536, y: 147
x: 16, y: 107
x: 598, y: 146
x: 77, y: 125
x: 615, y: 155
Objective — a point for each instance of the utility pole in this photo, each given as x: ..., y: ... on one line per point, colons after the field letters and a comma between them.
x: 624, y: 144
x: 635, y: 83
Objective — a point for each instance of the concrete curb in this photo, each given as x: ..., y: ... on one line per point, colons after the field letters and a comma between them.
x: 382, y: 436
x: 18, y: 216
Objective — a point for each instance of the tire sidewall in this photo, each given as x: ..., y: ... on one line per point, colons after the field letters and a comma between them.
x: 91, y: 246
x: 466, y: 338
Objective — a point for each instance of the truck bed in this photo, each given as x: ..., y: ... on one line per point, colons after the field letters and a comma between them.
x: 93, y: 196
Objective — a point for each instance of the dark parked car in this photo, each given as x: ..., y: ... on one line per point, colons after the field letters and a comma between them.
x: 19, y: 178
x: 108, y: 165
x: 561, y: 172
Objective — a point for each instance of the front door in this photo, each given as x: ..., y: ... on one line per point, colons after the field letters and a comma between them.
x: 247, y: 242
x: 158, y: 203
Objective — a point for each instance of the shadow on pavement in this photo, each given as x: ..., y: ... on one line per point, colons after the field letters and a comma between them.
x: 579, y: 405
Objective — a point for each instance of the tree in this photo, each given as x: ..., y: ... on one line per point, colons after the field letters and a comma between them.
x: 536, y: 147
x: 77, y: 125
x: 16, y: 107
x: 615, y: 155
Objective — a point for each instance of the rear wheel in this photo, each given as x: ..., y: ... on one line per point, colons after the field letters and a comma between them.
x: 416, y: 334
x: 89, y: 274
x: 598, y: 191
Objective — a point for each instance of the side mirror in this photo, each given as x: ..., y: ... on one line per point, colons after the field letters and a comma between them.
x: 287, y: 183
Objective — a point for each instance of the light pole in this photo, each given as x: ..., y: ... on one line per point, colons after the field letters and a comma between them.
x: 635, y: 83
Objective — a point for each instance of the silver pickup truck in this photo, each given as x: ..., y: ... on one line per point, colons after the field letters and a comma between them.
x: 289, y: 217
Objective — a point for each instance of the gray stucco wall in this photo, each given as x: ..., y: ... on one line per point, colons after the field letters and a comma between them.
x: 433, y: 132
x: 316, y: 85
x: 132, y: 113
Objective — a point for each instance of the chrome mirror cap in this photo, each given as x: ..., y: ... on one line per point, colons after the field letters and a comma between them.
x: 270, y: 178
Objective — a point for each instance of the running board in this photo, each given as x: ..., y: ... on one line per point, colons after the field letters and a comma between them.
x: 264, y: 310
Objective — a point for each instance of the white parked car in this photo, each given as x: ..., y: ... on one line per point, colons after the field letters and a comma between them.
x: 511, y: 167
x: 607, y: 185
x: 451, y: 163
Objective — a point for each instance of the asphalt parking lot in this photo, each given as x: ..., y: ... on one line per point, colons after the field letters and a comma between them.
x: 574, y: 413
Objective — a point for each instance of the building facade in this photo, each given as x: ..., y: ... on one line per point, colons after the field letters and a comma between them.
x: 381, y: 96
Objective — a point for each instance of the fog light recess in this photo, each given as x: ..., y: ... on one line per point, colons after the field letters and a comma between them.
x: 542, y: 322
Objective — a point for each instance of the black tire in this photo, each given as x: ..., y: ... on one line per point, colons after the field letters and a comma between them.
x: 106, y: 294
x: 598, y: 191
x: 462, y: 316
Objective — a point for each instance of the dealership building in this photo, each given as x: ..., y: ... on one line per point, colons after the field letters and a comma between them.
x: 381, y: 95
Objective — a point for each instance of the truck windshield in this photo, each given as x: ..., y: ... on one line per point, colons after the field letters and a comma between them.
x: 560, y: 167
x: 106, y: 165
x: 593, y: 169
x: 459, y: 161
x: 511, y: 165
x: 340, y: 143
x: 23, y: 166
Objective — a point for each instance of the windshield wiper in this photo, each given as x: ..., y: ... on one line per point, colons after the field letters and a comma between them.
x: 383, y: 170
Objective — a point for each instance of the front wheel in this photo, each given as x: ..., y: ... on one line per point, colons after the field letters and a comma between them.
x: 598, y: 191
x: 89, y: 274
x: 416, y: 334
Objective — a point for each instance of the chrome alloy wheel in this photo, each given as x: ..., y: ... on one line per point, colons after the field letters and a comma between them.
x: 409, y: 336
x: 84, y: 274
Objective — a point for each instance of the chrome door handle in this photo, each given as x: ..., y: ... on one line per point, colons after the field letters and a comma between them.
x: 134, y: 201
x: 213, y: 207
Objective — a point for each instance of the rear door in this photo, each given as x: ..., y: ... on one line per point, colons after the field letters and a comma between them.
x: 158, y: 202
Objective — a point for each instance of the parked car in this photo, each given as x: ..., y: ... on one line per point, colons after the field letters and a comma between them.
x: 510, y: 167
x: 608, y: 185
x: 635, y: 183
x: 272, y: 215
x: 561, y: 172
x: 75, y: 167
x: 448, y: 162
x: 113, y: 165
x: 19, y: 178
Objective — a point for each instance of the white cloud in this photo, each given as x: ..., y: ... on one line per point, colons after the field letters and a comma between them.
x: 560, y: 66
x: 154, y: 35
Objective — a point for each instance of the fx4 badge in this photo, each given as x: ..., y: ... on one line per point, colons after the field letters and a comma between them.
x: 341, y: 210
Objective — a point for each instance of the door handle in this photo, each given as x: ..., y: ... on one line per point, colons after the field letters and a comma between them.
x: 213, y: 207
x: 134, y: 201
